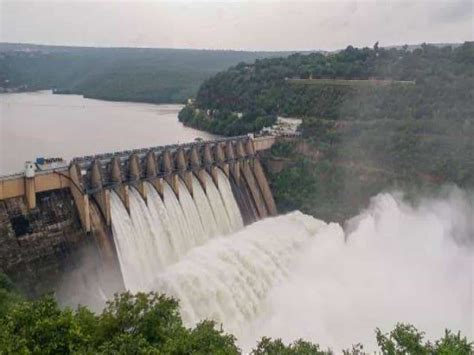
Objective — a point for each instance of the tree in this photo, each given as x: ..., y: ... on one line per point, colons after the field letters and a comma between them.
x: 150, y: 323
x: 406, y: 339
x: 267, y: 346
x: 130, y: 324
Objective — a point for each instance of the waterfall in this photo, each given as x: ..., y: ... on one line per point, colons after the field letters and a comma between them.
x: 230, y: 203
x: 160, y: 232
x: 217, y: 205
x: 191, y: 214
x: 149, y: 231
x: 204, y: 208
x: 294, y: 276
x: 166, y: 231
x: 244, y: 201
x: 182, y: 236
x: 227, y: 279
x: 128, y: 246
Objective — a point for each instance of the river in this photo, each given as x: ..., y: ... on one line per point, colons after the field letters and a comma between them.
x: 40, y: 124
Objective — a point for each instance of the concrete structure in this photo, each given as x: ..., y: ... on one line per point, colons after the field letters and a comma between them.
x: 93, y: 177
x: 18, y: 185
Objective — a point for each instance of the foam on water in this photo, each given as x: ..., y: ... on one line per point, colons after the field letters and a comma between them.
x: 294, y: 276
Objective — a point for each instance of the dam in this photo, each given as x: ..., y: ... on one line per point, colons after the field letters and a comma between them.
x: 155, y: 222
x: 138, y: 210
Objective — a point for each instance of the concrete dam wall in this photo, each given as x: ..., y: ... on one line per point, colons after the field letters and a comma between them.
x: 172, y: 197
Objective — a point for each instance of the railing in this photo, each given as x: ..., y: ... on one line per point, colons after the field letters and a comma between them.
x: 126, y: 153
x: 143, y: 151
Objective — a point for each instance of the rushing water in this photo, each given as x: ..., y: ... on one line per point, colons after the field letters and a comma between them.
x: 205, y: 211
x: 217, y: 205
x: 160, y: 232
x: 235, y: 218
x: 228, y: 278
x: 128, y: 243
x: 294, y: 276
x: 191, y: 214
x: 166, y: 231
x: 42, y: 124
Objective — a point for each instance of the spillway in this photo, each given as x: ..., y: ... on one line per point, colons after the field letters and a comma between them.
x: 128, y: 245
x: 157, y: 233
x: 294, y: 276
x: 205, y: 211
x: 217, y: 205
x: 235, y: 218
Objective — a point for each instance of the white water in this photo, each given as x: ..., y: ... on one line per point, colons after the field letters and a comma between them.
x: 204, y: 208
x: 191, y: 214
x: 235, y: 218
x: 164, y: 227
x: 228, y: 278
x: 150, y: 232
x: 128, y: 244
x: 182, y: 236
x: 159, y: 233
x: 217, y: 205
x: 294, y: 276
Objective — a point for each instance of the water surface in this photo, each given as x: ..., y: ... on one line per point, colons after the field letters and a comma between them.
x: 41, y: 124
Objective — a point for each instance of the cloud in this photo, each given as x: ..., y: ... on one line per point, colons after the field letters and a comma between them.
x: 253, y: 25
x: 456, y: 11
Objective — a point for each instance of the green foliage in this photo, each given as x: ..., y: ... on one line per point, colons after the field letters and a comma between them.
x: 406, y: 339
x: 130, y: 324
x: 267, y: 346
x: 8, y: 294
x: 443, y: 77
x: 322, y: 189
x: 283, y: 149
x: 155, y: 318
x: 453, y: 344
x: 117, y: 74
x: 205, y: 339
x: 443, y: 91
x: 364, y: 138
x: 225, y: 122
x: 151, y: 324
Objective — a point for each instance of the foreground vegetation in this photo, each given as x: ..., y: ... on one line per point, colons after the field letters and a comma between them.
x: 118, y: 74
x: 413, y: 130
x: 151, y: 324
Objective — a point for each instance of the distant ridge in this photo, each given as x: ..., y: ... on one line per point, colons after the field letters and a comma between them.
x: 153, y: 75
x: 8, y: 46
x: 11, y: 46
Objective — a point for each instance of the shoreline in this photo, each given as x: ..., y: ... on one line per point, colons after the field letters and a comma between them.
x: 88, y: 97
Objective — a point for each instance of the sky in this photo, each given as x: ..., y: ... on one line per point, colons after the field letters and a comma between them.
x: 239, y: 25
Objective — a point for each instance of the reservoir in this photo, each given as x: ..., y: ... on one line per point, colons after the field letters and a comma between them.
x: 40, y: 124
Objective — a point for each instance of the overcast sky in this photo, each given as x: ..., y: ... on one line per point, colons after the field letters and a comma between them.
x: 251, y: 25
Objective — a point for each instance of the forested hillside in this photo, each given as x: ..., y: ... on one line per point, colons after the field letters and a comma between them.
x: 410, y: 120
x: 119, y: 74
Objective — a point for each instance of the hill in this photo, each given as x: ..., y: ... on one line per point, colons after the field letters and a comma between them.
x: 119, y: 74
x: 375, y: 118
